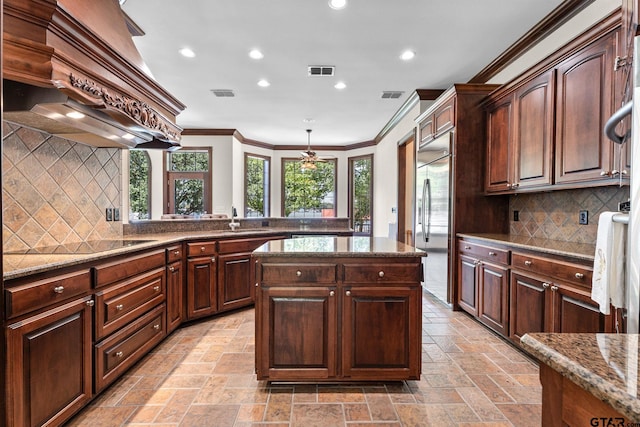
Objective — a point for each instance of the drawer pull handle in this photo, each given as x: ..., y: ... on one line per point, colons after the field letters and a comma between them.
x: 90, y: 303
x: 298, y: 273
x: 156, y: 288
x: 119, y: 307
x: 332, y: 293
x: 491, y: 253
x: 172, y: 269
x: 381, y: 274
x: 156, y: 327
x: 579, y: 276
x: 554, y: 288
x: 528, y: 263
x: 58, y: 289
x: 467, y: 247
x: 348, y: 293
x: 119, y: 354
x: 176, y: 253
x: 546, y: 285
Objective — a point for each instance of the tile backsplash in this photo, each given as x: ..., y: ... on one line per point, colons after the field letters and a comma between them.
x: 56, y: 191
x: 554, y: 215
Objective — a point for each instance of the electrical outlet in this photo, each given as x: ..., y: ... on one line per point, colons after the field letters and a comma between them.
x: 109, y: 214
x: 516, y: 215
x: 583, y: 217
x: 116, y: 214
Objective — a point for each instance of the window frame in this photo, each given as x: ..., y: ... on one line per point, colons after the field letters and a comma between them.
x: 284, y: 160
x: 169, y: 201
x: 266, y: 185
x: 351, y: 192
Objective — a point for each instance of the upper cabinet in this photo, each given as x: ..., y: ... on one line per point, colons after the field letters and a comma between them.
x: 545, y: 130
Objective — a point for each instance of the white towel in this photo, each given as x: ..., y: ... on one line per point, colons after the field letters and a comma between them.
x: 608, y: 285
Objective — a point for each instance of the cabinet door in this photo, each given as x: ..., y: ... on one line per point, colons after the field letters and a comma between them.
x: 574, y: 311
x: 499, y: 136
x: 201, y: 287
x: 584, y: 103
x: 235, y: 287
x: 444, y: 117
x: 534, y: 114
x: 380, y: 333
x: 175, y: 295
x: 528, y: 311
x: 468, y: 284
x: 50, y: 359
x: 298, y: 333
x: 493, y: 297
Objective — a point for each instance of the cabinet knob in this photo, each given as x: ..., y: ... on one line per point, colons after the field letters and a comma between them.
x: 467, y: 247
x: 605, y: 173
x: 156, y: 288
x: 176, y: 253
x: 615, y: 172
x: 381, y: 274
x: 624, y: 172
x: 508, y: 185
x: 257, y: 284
x: 213, y: 259
x: 119, y: 354
x: 515, y: 185
x: 554, y: 288
x: 332, y: 293
x: 546, y: 285
x: 202, y: 248
x: 156, y: 327
x: 91, y: 303
x: 58, y: 289
x: 348, y: 293
x: 491, y: 253
x: 579, y: 276
x: 119, y: 307
x: 172, y: 269
x: 528, y: 263
x: 298, y: 273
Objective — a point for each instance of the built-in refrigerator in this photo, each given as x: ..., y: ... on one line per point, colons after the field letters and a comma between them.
x: 433, y: 213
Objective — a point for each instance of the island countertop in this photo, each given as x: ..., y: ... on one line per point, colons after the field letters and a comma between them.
x: 605, y: 365
x: 326, y: 246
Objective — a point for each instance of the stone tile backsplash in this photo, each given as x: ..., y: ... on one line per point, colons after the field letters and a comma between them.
x: 554, y: 215
x: 55, y: 191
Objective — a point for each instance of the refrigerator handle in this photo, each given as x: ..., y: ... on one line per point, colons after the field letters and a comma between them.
x: 426, y: 209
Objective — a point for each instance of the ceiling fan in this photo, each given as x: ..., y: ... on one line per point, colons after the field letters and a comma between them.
x: 309, y: 158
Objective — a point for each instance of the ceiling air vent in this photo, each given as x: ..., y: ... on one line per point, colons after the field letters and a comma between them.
x: 392, y: 94
x: 321, y: 70
x: 223, y: 93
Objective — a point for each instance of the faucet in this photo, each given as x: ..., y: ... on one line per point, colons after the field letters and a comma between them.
x: 233, y: 224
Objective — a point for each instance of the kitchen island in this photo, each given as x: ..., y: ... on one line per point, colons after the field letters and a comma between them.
x: 338, y: 309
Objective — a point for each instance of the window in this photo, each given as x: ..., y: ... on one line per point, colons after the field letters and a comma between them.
x: 188, y: 181
x: 308, y: 193
x: 361, y: 194
x: 139, y: 185
x: 256, y: 196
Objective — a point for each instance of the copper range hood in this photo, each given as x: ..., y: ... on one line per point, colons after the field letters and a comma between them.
x: 71, y: 69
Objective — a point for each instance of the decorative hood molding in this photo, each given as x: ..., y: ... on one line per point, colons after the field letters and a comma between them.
x: 85, y: 51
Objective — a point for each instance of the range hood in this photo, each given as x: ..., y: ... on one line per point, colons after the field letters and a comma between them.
x: 73, y: 71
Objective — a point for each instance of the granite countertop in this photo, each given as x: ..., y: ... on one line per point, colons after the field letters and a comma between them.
x: 16, y: 265
x: 583, y: 251
x: 606, y: 365
x: 356, y: 246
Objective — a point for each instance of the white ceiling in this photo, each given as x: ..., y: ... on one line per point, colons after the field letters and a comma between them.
x: 453, y: 41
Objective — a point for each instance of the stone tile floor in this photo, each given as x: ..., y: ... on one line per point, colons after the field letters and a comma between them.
x: 202, y: 375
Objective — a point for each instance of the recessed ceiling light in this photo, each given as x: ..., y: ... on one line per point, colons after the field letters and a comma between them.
x: 340, y: 85
x: 75, y: 115
x: 407, y: 55
x: 308, y: 120
x: 256, y: 54
x: 264, y: 83
x: 337, y: 4
x: 186, y: 52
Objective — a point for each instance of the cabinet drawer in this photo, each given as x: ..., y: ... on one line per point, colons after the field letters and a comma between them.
x: 201, y: 249
x: 382, y: 273
x: 122, y: 349
x: 31, y: 296
x: 128, y: 267
x: 284, y: 274
x: 485, y: 252
x: 560, y: 270
x: 122, y: 303
x: 174, y: 253
x: 241, y: 245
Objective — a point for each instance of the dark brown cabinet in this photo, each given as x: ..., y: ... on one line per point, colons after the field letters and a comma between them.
x: 235, y: 285
x: 175, y: 288
x: 348, y: 319
x: 499, y: 174
x: 201, y: 286
x: 51, y: 366
x: 468, y: 284
x: 529, y: 307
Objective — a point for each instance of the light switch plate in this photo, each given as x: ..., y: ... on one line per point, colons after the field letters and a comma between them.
x: 116, y: 214
x: 109, y: 214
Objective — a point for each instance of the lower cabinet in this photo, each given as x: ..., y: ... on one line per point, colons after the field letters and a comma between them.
x: 49, y: 355
x: 175, y: 288
x: 236, y: 289
x: 201, y: 286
